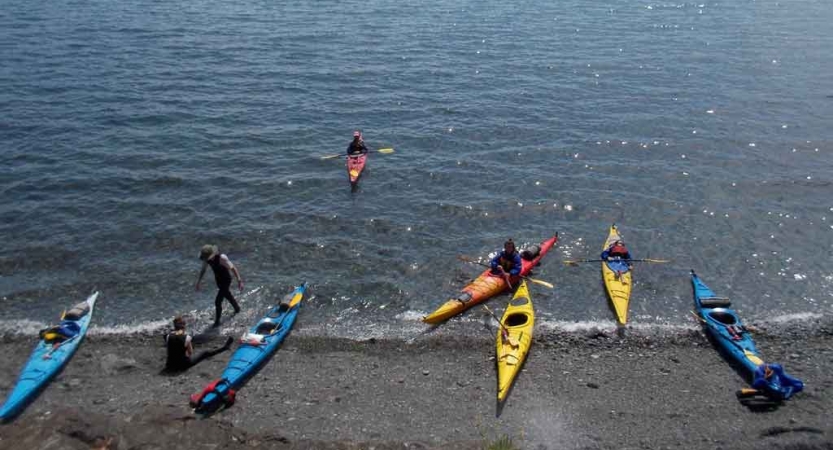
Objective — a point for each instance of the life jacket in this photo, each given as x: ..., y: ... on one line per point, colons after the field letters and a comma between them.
x: 356, y: 147
x: 59, y: 333
x: 227, y: 397
x: 221, y: 274
x: 618, y: 250
x: 507, y: 261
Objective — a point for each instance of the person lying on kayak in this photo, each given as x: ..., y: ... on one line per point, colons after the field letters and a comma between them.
x: 181, y: 350
x: 617, y: 250
x: 507, y: 263
x: 222, y: 268
x: 357, y: 146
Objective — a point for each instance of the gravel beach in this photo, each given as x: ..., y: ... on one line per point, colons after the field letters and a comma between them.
x: 578, y: 390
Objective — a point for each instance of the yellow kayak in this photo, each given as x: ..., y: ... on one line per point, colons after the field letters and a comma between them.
x: 514, y: 339
x: 618, y: 287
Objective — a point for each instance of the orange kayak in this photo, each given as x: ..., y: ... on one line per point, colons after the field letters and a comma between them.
x: 487, y: 285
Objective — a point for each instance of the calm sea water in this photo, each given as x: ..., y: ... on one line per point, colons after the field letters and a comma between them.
x: 133, y: 133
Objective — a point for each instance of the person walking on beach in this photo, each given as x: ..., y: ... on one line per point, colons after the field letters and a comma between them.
x: 181, y: 350
x: 222, y: 268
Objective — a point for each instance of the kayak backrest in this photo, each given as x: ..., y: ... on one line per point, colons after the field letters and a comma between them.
x: 715, y: 302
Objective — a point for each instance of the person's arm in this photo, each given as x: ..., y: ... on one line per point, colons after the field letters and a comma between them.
x: 228, y: 265
x: 516, y: 267
x: 189, y: 348
x: 495, y: 262
x: 363, y: 147
x: 202, y: 272
x: 605, y: 255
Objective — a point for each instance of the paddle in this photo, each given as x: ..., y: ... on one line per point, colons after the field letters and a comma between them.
x: 504, y: 330
x: 383, y: 151
x: 576, y: 262
x: 531, y: 280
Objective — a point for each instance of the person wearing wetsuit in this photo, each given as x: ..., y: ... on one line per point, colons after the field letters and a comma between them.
x: 357, y: 146
x: 181, y: 351
x: 222, y: 268
x: 507, y: 263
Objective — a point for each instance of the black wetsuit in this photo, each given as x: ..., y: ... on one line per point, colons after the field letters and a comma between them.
x: 356, y: 148
x: 223, y: 278
x: 177, y: 360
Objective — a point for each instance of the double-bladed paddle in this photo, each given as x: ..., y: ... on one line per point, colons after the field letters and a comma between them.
x: 383, y: 151
x: 578, y: 261
x: 531, y: 280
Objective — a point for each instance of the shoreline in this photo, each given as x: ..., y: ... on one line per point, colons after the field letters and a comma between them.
x: 576, y: 391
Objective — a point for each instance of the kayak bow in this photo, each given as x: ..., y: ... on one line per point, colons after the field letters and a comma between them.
x: 355, y: 167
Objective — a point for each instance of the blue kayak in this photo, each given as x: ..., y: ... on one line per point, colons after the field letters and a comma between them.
x: 255, y: 348
x: 55, y: 349
x: 732, y: 337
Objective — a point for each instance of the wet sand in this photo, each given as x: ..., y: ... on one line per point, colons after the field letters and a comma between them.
x: 577, y: 390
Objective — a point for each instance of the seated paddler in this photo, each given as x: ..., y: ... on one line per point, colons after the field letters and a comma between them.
x: 507, y: 263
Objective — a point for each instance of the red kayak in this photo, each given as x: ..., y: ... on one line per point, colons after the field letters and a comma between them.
x: 355, y: 167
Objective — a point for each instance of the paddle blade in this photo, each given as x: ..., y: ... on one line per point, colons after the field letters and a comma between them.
x: 657, y: 260
x: 571, y: 263
x: 385, y: 150
x: 542, y: 283
x: 332, y: 156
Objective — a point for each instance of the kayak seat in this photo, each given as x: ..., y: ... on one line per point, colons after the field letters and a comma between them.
x: 266, y: 327
x: 515, y: 320
x: 723, y: 317
x: 531, y: 253
x: 77, y: 312
x: 715, y: 302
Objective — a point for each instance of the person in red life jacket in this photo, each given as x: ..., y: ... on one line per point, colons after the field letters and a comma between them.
x: 181, y: 350
x: 507, y: 263
x: 357, y: 146
x: 617, y: 250
x: 222, y: 268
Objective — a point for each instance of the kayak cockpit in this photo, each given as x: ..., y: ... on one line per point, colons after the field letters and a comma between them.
x: 516, y: 320
x: 724, y: 317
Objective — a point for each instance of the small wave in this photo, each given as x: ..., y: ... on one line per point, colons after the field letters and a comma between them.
x: 131, y: 328
x: 796, y: 317
x: 408, y: 325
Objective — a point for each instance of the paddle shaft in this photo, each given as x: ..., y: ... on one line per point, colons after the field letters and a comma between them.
x: 505, y: 330
x: 383, y: 151
x: 624, y: 260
